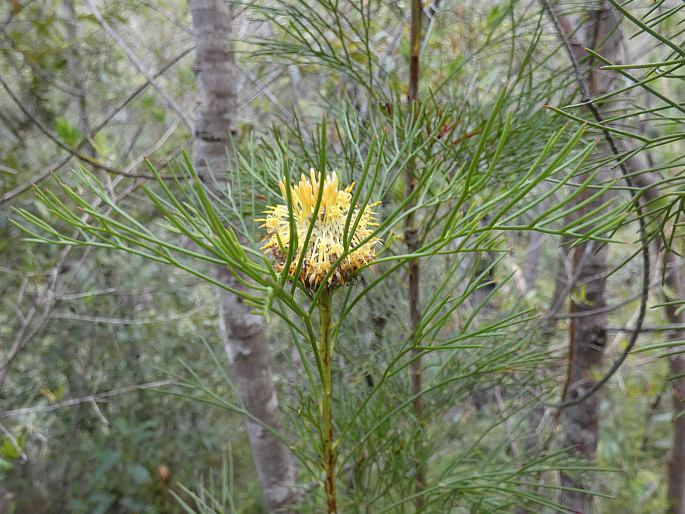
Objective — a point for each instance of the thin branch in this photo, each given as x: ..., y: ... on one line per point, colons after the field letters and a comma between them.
x: 53, y: 137
x: 48, y: 296
x: 606, y: 308
x: 39, y: 177
x: 169, y: 16
x: 553, y: 313
x: 263, y: 86
x: 36, y: 68
x: 14, y: 442
x: 23, y: 335
x: 139, y: 66
x: 123, y: 321
x: 653, y: 408
x: 87, y: 399
x: 660, y: 328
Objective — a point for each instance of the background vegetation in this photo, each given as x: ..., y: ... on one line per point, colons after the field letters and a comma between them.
x: 528, y: 159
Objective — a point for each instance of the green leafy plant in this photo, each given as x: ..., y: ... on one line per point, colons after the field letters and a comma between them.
x: 464, y: 209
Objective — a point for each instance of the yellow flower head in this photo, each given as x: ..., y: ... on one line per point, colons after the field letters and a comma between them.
x: 325, y: 245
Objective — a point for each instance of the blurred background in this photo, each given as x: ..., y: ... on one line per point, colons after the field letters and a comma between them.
x: 94, y: 342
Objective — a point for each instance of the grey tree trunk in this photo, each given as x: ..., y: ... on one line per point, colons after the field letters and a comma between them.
x: 587, y: 336
x: 244, y: 333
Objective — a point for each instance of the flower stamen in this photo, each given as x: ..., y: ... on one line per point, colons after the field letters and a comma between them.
x: 326, y: 243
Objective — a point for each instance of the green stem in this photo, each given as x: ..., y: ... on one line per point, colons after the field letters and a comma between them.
x: 326, y: 351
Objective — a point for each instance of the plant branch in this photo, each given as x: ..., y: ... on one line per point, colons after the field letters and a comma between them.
x: 87, y: 399
x: 326, y: 350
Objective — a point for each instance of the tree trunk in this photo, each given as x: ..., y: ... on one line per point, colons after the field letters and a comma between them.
x: 676, y: 467
x: 674, y: 290
x: 587, y: 339
x: 244, y: 333
x: 587, y: 336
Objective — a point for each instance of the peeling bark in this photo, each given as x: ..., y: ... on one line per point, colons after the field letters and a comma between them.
x: 244, y: 333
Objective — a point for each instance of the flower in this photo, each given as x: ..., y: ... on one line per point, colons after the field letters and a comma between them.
x: 326, y: 243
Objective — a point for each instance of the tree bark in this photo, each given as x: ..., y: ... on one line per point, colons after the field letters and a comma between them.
x: 587, y: 339
x: 674, y: 289
x: 244, y: 333
x: 676, y: 467
x: 587, y: 331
